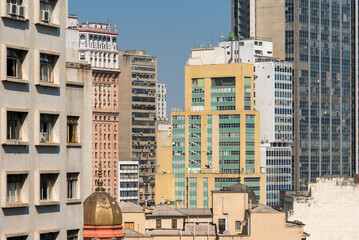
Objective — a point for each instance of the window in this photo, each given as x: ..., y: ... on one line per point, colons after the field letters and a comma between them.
x: 47, y: 124
x: 46, y: 10
x: 14, y: 8
x: 221, y: 225
x: 72, y: 129
x: 158, y: 223
x: 174, y: 223
x: 15, y: 183
x: 17, y: 238
x: 49, y: 236
x: 47, y: 65
x: 238, y: 225
x: 130, y: 225
x: 15, y: 122
x: 72, y: 179
x: 47, y: 183
x: 73, y: 234
x: 14, y: 63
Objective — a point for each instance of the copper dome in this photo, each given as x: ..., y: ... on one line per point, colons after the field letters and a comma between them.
x: 100, y: 209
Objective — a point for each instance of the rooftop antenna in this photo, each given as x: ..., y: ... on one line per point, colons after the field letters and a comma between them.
x: 99, y: 180
x: 134, y: 46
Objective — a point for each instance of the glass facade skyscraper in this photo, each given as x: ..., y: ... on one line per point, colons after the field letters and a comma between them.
x: 318, y: 41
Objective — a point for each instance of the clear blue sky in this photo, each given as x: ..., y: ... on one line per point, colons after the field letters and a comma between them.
x: 167, y: 29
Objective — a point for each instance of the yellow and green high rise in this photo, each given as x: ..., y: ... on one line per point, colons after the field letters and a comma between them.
x: 215, y: 138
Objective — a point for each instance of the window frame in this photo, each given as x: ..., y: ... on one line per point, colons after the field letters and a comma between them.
x: 22, y: 137
x: 51, y: 193
x: 54, y: 237
x: 73, y: 121
x: 174, y: 223
x: 73, y: 178
x: 73, y: 234
x: 49, y: 124
x: 48, y: 63
x: 158, y: 223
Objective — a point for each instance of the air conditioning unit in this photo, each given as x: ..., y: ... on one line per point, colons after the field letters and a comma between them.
x: 12, y: 9
x: 45, y: 16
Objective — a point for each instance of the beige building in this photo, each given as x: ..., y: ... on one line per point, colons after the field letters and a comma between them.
x: 45, y: 134
x: 329, y: 208
x: 234, y: 215
x: 137, y: 106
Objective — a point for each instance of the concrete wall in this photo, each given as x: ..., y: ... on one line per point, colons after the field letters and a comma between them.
x: 265, y: 100
x: 330, y: 211
x: 270, y: 24
x: 138, y: 218
x: 223, y: 208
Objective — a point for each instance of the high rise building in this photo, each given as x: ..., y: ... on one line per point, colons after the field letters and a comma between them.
x: 161, y: 101
x: 98, y: 46
x: 138, y: 102
x: 215, y: 138
x: 316, y: 37
x: 45, y: 118
x: 355, y: 86
x: 273, y: 99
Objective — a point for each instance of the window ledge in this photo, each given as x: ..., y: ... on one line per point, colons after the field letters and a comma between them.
x: 47, y: 84
x: 75, y: 83
x: 16, y: 80
x: 48, y: 144
x: 21, y: 19
x: 74, y: 145
x: 73, y: 201
x: 48, y: 203
x: 16, y: 143
x: 16, y: 205
x: 52, y: 25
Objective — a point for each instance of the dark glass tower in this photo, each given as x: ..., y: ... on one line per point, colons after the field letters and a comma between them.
x: 241, y: 18
x: 318, y: 41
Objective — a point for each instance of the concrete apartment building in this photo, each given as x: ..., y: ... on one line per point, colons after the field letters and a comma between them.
x: 217, y: 127
x: 234, y: 214
x: 315, y: 36
x: 45, y: 119
x: 98, y: 47
x: 138, y: 101
x: 328, y: 209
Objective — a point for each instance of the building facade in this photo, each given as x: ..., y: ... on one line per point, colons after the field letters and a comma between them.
x: 322, y: 97
x: 138, y: 100
x: 215, y: 139
x: 273, y: 100
x: 128, y: 181
x: 273, y: 91
x: 161, y: 101
x: 315, y: 36
x: 45, y: 137
x: 98, y: 47
x: 327, y: 197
